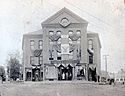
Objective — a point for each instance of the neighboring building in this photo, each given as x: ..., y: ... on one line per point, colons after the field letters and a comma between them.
x: 2, y: 73
x: 120, y: 76
x: 62, y: 50
x: 106, y: 76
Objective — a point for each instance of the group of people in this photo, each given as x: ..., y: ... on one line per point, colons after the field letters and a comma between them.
x: 66, y: 76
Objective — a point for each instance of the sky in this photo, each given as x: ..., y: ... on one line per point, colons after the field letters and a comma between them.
x: 105, y: 17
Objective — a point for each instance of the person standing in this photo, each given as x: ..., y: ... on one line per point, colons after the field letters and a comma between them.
x: 63, y: 76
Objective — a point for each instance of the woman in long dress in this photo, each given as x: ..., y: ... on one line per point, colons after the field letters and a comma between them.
x: 63, y: 76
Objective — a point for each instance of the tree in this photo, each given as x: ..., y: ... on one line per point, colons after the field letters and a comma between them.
x: 2, y: 73
x: 14, y: 66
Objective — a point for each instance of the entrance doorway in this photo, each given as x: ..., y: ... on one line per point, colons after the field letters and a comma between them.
x: 92, y: 74
x: 28, y: 76
x: 36, y: 74
x: 65, y: 73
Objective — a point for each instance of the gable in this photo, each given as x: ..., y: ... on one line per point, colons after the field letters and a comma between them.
x: 64, y: 13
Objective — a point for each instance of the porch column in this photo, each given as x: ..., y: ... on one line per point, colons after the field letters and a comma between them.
x: 40, y: 73
x: 86, y: 71
x: 56, y: 72
x: 43, y: 72
x: 73, y: 78
x: 24, y: 74
x: 31, y: 75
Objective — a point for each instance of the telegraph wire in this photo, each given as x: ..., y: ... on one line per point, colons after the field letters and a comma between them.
x: 90, y: 15
x: 86, y: 13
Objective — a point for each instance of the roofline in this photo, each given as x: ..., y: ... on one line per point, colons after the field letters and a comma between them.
x: 31, y: 33
x: 97, y: 35
x: 60, y: 12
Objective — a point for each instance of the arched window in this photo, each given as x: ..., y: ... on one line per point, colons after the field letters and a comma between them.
x: 32, y: 44
x: 59, y: 41
x: 58, y: 56
x: 58, y: 32
x: 79, y: 41
x: 71, y: 55
x: 78, y: 32
x: 51, y: 42
x: 70, y: 41
x: 40, y: 44
x: 70, y: 32
x: 40, y: 59
x: 32, y: 60
x: 90, y: 44
x: 51, y: 32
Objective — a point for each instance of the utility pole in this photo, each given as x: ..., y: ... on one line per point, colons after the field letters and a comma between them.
x: 105, y: 57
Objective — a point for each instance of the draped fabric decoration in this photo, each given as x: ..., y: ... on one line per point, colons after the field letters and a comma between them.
x: 78, y: 53
x: 71, y: 47
x: 92, y: 67
x: 90, y: 51
x: 58, y: 48
x: 54, y: 37
x: 51, y: 52
x: 70, y: 65
x: 37, y: 52
x: 74, y: 37
x: 64, y: 65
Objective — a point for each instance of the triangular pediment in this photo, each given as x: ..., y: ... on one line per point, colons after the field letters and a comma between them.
x: 64, y: 14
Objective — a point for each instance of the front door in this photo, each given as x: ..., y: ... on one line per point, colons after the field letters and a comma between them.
x: 65, y: 73
x: 36, y: 74
x: 28, y: 76
x: 92, y: 74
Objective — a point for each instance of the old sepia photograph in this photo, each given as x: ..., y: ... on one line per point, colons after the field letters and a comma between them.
x: 62, y: 47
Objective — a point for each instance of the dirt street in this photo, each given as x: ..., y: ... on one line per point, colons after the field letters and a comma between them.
x: 60, y: 89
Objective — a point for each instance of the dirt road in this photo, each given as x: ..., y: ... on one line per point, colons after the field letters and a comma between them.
x: 60, y: 89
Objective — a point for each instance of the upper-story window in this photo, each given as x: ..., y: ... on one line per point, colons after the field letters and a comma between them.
x: 90, y: 50
x: 58, y: 56
x: 58, y: 32
x: 51, y: 32
x: 32, y: 60
x: 40, y: 44
x: 59, y: 41
x: 70, y: 32
x: 71, y: 55
x: 40, y: 59
x: 90, y: 44
x: 90, y: 59
x: 79, y: 41
x: 51, y: 54
x: 78, y: 32
x: 32, y: 44
x: 51, y: 42
x: 70, y: 41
